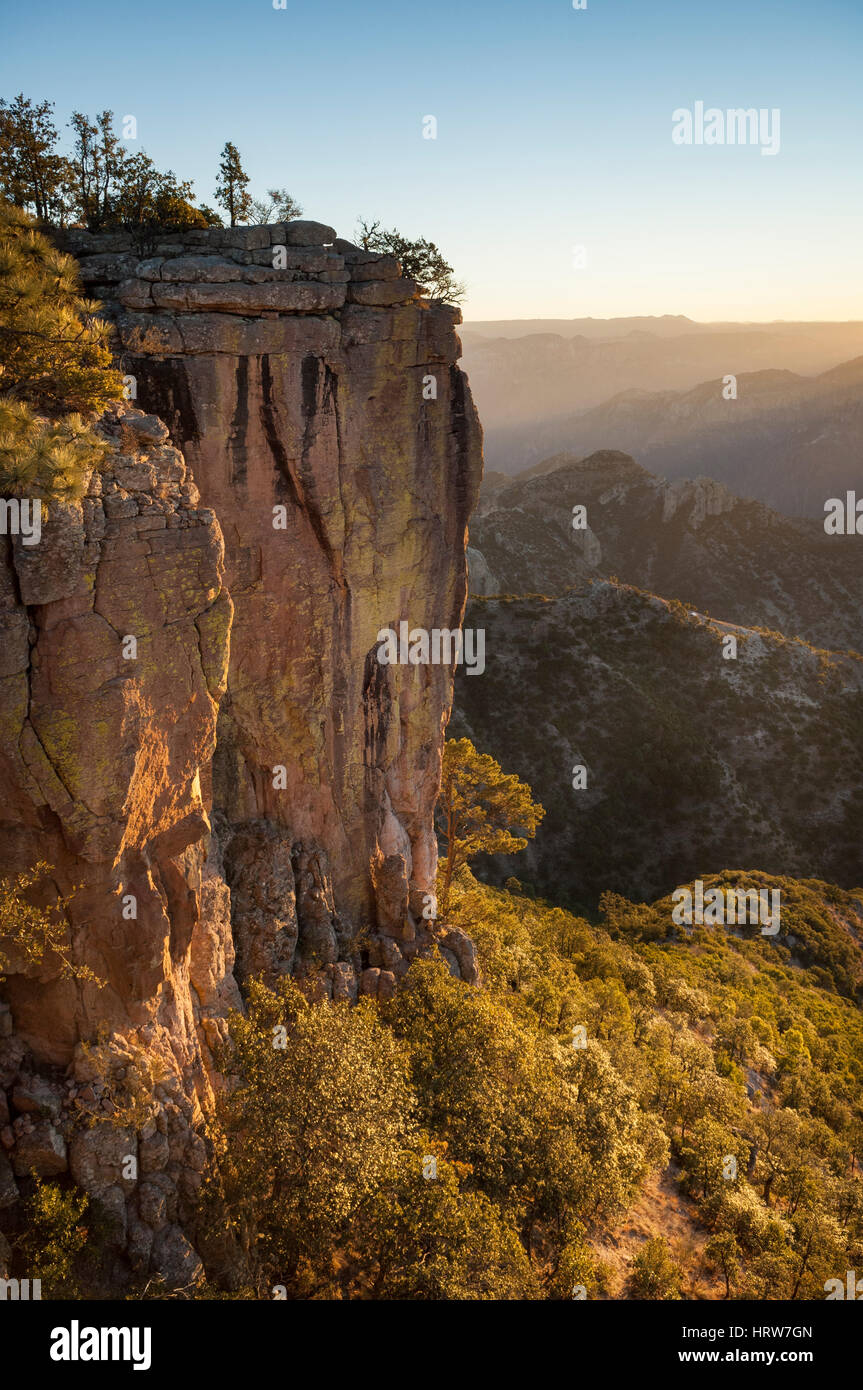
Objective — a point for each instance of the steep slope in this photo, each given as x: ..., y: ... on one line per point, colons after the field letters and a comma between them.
x: 692, y: 540
x: 737, y: 1043
x: 694, y: 761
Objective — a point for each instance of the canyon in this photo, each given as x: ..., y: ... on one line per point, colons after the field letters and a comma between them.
x: 694, y: 762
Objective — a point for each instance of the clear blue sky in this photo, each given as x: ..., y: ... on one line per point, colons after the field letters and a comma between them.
x: 554, y: 130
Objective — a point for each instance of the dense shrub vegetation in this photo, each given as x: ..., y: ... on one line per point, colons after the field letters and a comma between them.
x: 462, y: 1142
x: 56, y: 367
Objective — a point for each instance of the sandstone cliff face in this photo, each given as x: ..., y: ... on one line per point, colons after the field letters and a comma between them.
x: 254, y: 778
x: 104, y: 748
x: 319, y: 406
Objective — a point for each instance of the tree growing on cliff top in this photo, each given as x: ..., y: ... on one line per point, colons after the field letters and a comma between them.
x: 97, y: 162
x: 231, y: 186
x: 278, y: 206
x: 480, y: 810
x: 149, y: 201
x: 99, y: 183
x: 420, y: 260
x: 32, y: 173
x: 117, y: 189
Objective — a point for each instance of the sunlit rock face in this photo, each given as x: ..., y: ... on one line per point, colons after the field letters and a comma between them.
x: 318, y: 403
x: 250, y: 791
x: 116, y: 629
x: 115, y: 640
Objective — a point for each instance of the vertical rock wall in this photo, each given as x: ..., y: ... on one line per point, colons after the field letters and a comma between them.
x: 318, y: 403
x: 105, y: 748
x: 254, y: 780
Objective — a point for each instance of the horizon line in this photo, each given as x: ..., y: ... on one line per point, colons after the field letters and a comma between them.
x: 615, y: 318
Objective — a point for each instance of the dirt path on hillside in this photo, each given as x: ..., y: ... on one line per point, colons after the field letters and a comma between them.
x: 661, y: 1210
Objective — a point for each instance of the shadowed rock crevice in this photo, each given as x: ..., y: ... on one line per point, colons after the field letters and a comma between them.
x: 165, y: 386
x: 285, y: 483
x: 239, y: 425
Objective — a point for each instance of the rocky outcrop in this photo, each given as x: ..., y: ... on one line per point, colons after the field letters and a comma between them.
x: 115, y: 656
x: 317, y: 400
x: 195, y: 731
x: 115, y: 644
x: 688, y: 539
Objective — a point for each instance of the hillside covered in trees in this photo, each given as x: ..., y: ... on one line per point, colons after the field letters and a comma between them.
x: 464, y: 1142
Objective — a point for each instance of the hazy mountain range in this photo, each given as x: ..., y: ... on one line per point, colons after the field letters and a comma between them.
x: 790, y: 438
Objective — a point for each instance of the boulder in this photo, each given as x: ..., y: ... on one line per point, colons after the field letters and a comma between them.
x: 8, y: 1187
x: 152, y: 1205
x: 302, y: 233
x: 33, y: 1095
x: 39, y: 1148
x: 99, y: 1154
x: 175, y: 1259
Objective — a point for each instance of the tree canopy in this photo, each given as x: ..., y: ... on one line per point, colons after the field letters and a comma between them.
x: 481, y: 809
x: 420, y: 260
x: 55, y: 365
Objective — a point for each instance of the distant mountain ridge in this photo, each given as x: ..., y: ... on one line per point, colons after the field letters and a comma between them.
x: 792, y: 441
x: 692, y: 540
x: 661, y: 325
x: 535, y: 389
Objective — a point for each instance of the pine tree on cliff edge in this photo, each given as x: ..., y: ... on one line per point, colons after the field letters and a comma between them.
x: 231, y: 186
